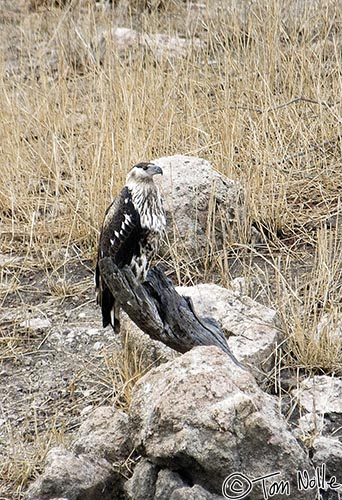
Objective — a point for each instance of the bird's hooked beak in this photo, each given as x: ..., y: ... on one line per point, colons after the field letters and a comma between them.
x: 155, y: 170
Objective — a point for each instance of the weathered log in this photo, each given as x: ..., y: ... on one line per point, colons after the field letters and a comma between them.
x: 160, y: 312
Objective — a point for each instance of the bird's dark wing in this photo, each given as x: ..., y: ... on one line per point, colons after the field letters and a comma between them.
x: 120, y: 237
x: 121, y: 231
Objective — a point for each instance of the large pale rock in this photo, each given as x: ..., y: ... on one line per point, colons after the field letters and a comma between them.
x: 205, y: 418
x: 198, y: 201
x: 76, y: 478
x: 250, y: 327
x: 105, y: 434
x: 320, y: 394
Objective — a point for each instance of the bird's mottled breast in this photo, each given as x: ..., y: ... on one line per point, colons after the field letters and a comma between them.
x: 148, y: 203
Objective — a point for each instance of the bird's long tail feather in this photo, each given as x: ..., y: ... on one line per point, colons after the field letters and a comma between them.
x: 110, y: 311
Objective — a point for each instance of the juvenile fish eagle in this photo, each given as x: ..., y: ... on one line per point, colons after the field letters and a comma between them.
x: 130, y: 235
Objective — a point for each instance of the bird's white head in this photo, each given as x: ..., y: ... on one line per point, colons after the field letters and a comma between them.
x: 143, y: 173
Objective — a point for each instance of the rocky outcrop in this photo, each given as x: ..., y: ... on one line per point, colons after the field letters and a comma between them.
x: 199, y: 424
x: 204, y: 417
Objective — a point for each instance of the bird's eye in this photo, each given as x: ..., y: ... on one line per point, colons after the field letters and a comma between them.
x: 145, y: 167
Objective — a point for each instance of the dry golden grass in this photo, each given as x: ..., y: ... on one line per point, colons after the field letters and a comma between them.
x: 260, y: 99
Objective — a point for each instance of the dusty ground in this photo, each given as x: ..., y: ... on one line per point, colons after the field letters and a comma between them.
x: 56, y: 366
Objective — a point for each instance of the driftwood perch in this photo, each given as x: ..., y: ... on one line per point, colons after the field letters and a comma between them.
x: 160, y: 312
